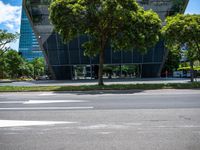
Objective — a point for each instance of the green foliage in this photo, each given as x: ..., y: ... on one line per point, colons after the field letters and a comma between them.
x: 186, y: 66
x: 27, y: 69
x: 126, y: 69
x: 6, y: 38
x: 38, y: 67
x: 2, y: 66
x: 183, y: 30
x: 13, y: 62
x: 173, y: 59
x: 13, y: 66
x: 141, y: 32
x: 122, y: 24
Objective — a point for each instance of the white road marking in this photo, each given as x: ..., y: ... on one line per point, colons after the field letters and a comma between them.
x: 12, y: 102
x: 46, y: 108
x: 104, y: 133
x: 52, y: 101
x: 103, y: 126
x: 181, y: 126
x: 133, y: 124
x: 42, y: 101
x: 47, y: 94
x: 18, y: 123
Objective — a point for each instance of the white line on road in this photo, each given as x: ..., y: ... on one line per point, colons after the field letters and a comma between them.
x: 46, y: 108
x: 104, y: 133
x: 179, y: 126
x: 47, y: 94
x: 42, y: 101
x: 18, y: 123
x: 53, y: 101
x: 103, y: 126
x: 12, y: 102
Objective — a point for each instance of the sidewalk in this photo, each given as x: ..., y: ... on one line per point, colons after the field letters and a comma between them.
x: 93, y: 82
x: 6, y: 81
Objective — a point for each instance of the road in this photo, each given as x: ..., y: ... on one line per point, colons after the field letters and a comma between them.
x: 112, y: 120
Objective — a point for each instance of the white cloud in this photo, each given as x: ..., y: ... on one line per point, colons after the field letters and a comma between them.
x: 14, y: 45
x: 10, y: 26
x: 10, y: 18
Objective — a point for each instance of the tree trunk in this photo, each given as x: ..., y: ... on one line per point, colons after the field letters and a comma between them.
x: 191, y: 71
x: 101, y: 62
x: 141, y: 68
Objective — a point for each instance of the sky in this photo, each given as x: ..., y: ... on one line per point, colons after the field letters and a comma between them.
x: 10, y: 15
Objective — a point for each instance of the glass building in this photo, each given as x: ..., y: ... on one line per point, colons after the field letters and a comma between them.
x: 62, y: 57
x: 28, y: 44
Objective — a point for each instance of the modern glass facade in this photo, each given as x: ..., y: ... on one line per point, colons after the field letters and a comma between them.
x: 61, y: 57
x: 28, y: 44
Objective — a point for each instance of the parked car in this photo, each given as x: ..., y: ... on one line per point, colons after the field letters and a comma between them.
x: 44, y: 77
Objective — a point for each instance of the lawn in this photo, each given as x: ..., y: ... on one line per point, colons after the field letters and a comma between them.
x: 194, y: 85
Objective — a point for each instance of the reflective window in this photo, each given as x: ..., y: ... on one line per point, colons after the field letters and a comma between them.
x: 28, y: 45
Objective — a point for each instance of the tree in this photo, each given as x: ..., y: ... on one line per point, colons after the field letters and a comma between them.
x: 27, y: 69
x: 184, y: 31
x: 5, y: 39
x: 13, y: 62
x: 14, y: 66
x: 173, y: 59
x: 38, y: 67
x: 122, y: 24
x: 2, y: 67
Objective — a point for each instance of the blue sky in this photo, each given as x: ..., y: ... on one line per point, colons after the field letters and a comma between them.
x: 193, y: 7
x: 12, y: 2
x: 10, y: 14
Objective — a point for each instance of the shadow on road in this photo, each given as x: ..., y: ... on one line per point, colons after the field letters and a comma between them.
x: 100, y: 92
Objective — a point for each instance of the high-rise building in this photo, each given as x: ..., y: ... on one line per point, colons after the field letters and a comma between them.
x: 62, y: 57
x: 28, y: 45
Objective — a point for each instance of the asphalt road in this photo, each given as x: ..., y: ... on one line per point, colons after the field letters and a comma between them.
x: 129, y: 120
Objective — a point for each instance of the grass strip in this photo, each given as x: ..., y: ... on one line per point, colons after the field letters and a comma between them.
x: 194, y: 85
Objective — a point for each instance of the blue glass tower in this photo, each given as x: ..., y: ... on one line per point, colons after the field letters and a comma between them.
x: 28, y: 44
